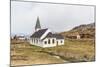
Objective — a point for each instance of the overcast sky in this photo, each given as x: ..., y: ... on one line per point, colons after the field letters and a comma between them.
x: 57, y: 17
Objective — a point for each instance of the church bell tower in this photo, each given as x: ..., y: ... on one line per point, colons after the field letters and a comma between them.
x: 37, y: 26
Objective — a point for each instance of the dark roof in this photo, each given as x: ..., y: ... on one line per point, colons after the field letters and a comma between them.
x: 39, y: 33
x: 49, y: 35
x: 58, y: 36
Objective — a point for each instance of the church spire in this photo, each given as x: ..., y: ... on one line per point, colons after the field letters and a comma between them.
x: 37, y: 27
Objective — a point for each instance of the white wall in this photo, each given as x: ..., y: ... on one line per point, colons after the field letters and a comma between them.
x: 42, y: 44
x: 59, y: 41
x: 78, y: 36
x: 51, y: 44
x: 36, y: 41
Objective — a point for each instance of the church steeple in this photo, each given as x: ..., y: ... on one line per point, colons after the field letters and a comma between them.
x: 37, y: 26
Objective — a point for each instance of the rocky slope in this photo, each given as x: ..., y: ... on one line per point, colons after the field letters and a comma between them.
x: 87, y: 29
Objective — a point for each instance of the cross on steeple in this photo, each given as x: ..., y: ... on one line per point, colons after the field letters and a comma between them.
x: 37, y: 26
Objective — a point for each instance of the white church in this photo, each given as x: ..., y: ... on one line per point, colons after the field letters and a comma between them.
x: 44, y: 37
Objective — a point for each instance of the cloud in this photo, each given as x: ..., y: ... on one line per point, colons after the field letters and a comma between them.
x: 57, y: 17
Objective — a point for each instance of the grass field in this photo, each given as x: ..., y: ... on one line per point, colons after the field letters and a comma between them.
x: 22, y: 53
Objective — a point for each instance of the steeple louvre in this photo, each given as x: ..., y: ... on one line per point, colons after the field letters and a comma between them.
x: 38, y: 26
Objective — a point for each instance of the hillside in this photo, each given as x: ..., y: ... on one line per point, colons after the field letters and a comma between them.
x: 86, y: 29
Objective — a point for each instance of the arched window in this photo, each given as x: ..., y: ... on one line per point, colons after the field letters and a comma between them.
x: 45, y: 42
x: 61, y: 41
x: 48, y: 41
x: 53, y: 41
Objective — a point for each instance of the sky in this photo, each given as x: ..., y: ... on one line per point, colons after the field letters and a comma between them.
x: 56, y: 17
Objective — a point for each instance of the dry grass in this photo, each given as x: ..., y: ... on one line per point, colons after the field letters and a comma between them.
x: 73, y: 51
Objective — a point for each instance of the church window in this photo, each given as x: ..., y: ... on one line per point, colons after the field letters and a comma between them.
x: 34, y: 41
x: 45, y: 42
x: 48, y: 41
x: 61, y: 41
x: 53, y: 41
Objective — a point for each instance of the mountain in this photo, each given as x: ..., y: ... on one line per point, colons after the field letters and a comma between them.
x: 86, y: 29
